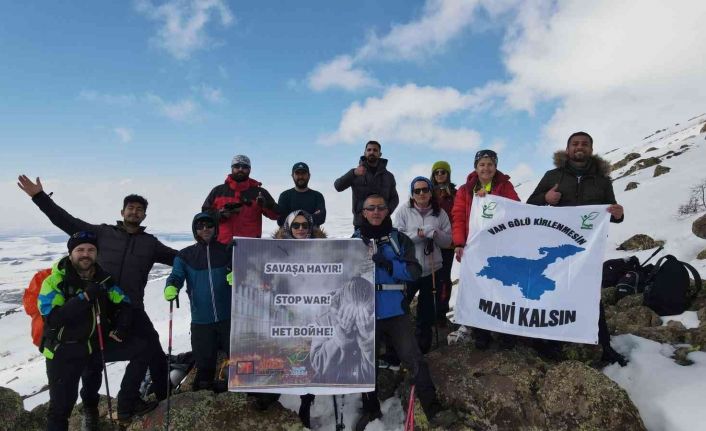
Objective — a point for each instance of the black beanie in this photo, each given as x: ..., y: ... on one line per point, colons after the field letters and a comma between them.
x: 81, y: 237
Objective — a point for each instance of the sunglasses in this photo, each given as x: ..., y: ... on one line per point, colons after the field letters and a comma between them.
x: 240, y: 166
x: 372, y: 208
x: 303, y: 225
x: 440, y: 172
x: 204, y: 225
x: 420, y: 191
x: 84, y: 235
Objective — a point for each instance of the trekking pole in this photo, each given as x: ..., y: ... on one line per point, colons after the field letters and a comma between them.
x: 409, y: 422
x: 652, y: 255
x: 97, y: 312
x: 169, y: 360
x: 433, y: 286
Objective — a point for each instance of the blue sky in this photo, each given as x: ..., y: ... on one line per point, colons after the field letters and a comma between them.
x: 104, y: 98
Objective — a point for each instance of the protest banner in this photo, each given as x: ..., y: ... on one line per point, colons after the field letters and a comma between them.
x: 533, y: 271
x: 303, y: 317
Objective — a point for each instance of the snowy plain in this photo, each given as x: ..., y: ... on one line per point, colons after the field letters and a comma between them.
x: 669, y: 396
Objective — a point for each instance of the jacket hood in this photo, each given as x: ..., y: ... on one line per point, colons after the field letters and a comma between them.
x: 204, y: 216
x: 598, y: 165
x: 499, y: 177
x: 382, y: 163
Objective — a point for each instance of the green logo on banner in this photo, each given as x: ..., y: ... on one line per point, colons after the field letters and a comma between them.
x: 586, y: 218
x: 488, y: 209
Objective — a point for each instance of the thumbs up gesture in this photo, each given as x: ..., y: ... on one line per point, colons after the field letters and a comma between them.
x: 553, y: 196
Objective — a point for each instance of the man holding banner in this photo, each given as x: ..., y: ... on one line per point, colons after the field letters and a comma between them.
x: 580, y: 178
x: 395, y: 264
x: 535, y: 270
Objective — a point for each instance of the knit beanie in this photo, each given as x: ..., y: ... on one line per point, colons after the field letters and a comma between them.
x: 425, y: 179
x: 83, y: 237
x: 240, y: 159
x: 441, y: 164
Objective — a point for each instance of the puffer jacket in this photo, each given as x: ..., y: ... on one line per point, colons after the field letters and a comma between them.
x: 127, y: 257
x: 247, y: 222
x: 500, y: 186
x: 70, y: 319
x: 204, y: 267
x: 382, y: 182
x: 405, y: 267
x: 594, y: 187
x: 409, y: 219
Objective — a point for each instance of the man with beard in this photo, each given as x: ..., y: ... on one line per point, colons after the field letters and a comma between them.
x: 395, y: 265
x: 580, y: 178
x: 301, y: 197
x: 71, y: 300
x: 128, y: 256
x: 240, y: 202
x: 370, y: 177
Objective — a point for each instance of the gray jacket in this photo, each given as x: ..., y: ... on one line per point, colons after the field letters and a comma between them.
x: 382, y: 182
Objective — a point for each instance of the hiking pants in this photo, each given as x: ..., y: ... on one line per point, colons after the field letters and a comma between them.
x: 425, y: 309
x: 443, y: 283
x: 397, y: 331
x: 70, y: 364
x: 143, y: 328
x: 135, y: 350
x: 206, y: 340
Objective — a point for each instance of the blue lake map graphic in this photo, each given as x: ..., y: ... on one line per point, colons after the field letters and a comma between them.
x: 527, y: 274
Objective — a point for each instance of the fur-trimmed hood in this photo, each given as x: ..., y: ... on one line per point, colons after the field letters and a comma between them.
x: 281, y: 233
x: 598, y: 165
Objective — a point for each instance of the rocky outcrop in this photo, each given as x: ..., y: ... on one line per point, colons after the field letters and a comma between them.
x: 15, y: 417
x: 627, y: 159
x: 701, y: 255
x: 631, y: 185
x: 640, y: 242
x: 661, y: 170
x: 698, y: 227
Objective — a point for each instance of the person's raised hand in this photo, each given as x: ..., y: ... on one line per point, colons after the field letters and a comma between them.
x: 28, y: 186
x: 360, y: 170
x: 616, y: 210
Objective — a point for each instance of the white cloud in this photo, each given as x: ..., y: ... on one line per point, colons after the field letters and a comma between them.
x: 409, y: 115
x: 440, y: 22
x: 182, y: 110
x: 183, y: 23
x: 340, y: 72
x: 520, y: 173
x: 124, y: 134
x: 210, y: 94
x: 616, y: 69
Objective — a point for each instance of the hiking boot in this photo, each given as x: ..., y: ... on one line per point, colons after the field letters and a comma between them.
x: 550, y: 350
x: 481, y: 338
x: 461, y: 335
x: 89, y: 419
x: 366, y: 418
x: 202, y: 385
x: 263, y: 401
x: 611, y: 356
x: 219, y: 386
x: 389, y: 361
x: 138, y: 409
x: 506, y: 342
x: 443, y: 419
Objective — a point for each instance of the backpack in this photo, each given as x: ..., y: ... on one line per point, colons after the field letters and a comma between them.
x: 667, y: 291
x: 615, y: 269
x: 29, y: 301
x: 633, y: 281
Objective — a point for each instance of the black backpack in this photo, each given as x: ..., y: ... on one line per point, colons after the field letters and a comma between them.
x: 615, y: 269
x: 667, y: 291
x: 633, y: 281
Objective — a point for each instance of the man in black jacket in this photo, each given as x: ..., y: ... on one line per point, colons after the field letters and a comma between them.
x: 370, y: 177
x: 127, y: 254
x: 580, y: 178
x: 301, y: 197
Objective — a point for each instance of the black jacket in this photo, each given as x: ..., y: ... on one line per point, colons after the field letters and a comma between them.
x: 593, y: 187
x: 382, y: 182
x: 127, y: 257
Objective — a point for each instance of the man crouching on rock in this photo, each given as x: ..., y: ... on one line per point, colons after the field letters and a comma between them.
x: 395, y: 264
x: 74, y: 298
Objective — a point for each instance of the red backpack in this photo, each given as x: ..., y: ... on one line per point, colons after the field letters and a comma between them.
x: 29, y: 301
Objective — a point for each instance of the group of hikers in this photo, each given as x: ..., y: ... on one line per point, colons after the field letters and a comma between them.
x: 92, y: 303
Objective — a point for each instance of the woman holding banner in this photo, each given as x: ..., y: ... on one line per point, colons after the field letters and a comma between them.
x: 485, y: 179
x: 299, y: 224
x: 429, y: 228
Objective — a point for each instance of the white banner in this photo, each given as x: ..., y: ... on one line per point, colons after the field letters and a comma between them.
x: 533, y: 271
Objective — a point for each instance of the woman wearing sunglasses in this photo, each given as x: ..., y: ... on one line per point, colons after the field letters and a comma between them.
x: 485, y: 179
x: 444, y: 194
x: 299, y: 224
x: 429, y: 228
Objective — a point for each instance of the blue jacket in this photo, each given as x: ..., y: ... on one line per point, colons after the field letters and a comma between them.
x: 204, y: 267
x: 405, y: 267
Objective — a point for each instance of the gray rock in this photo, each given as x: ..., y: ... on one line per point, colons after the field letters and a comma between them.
x: 631, y: 185
x: 660, y: 170
x: 698, y: 227
x: 640, y: 242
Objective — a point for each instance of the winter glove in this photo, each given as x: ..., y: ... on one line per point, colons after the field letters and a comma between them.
x: 93, y: 290
x: 229, y: 278
x: 381, y: 261
x: 170, y: 293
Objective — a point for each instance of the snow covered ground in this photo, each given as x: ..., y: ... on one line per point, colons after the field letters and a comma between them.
x: 668, y: 395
